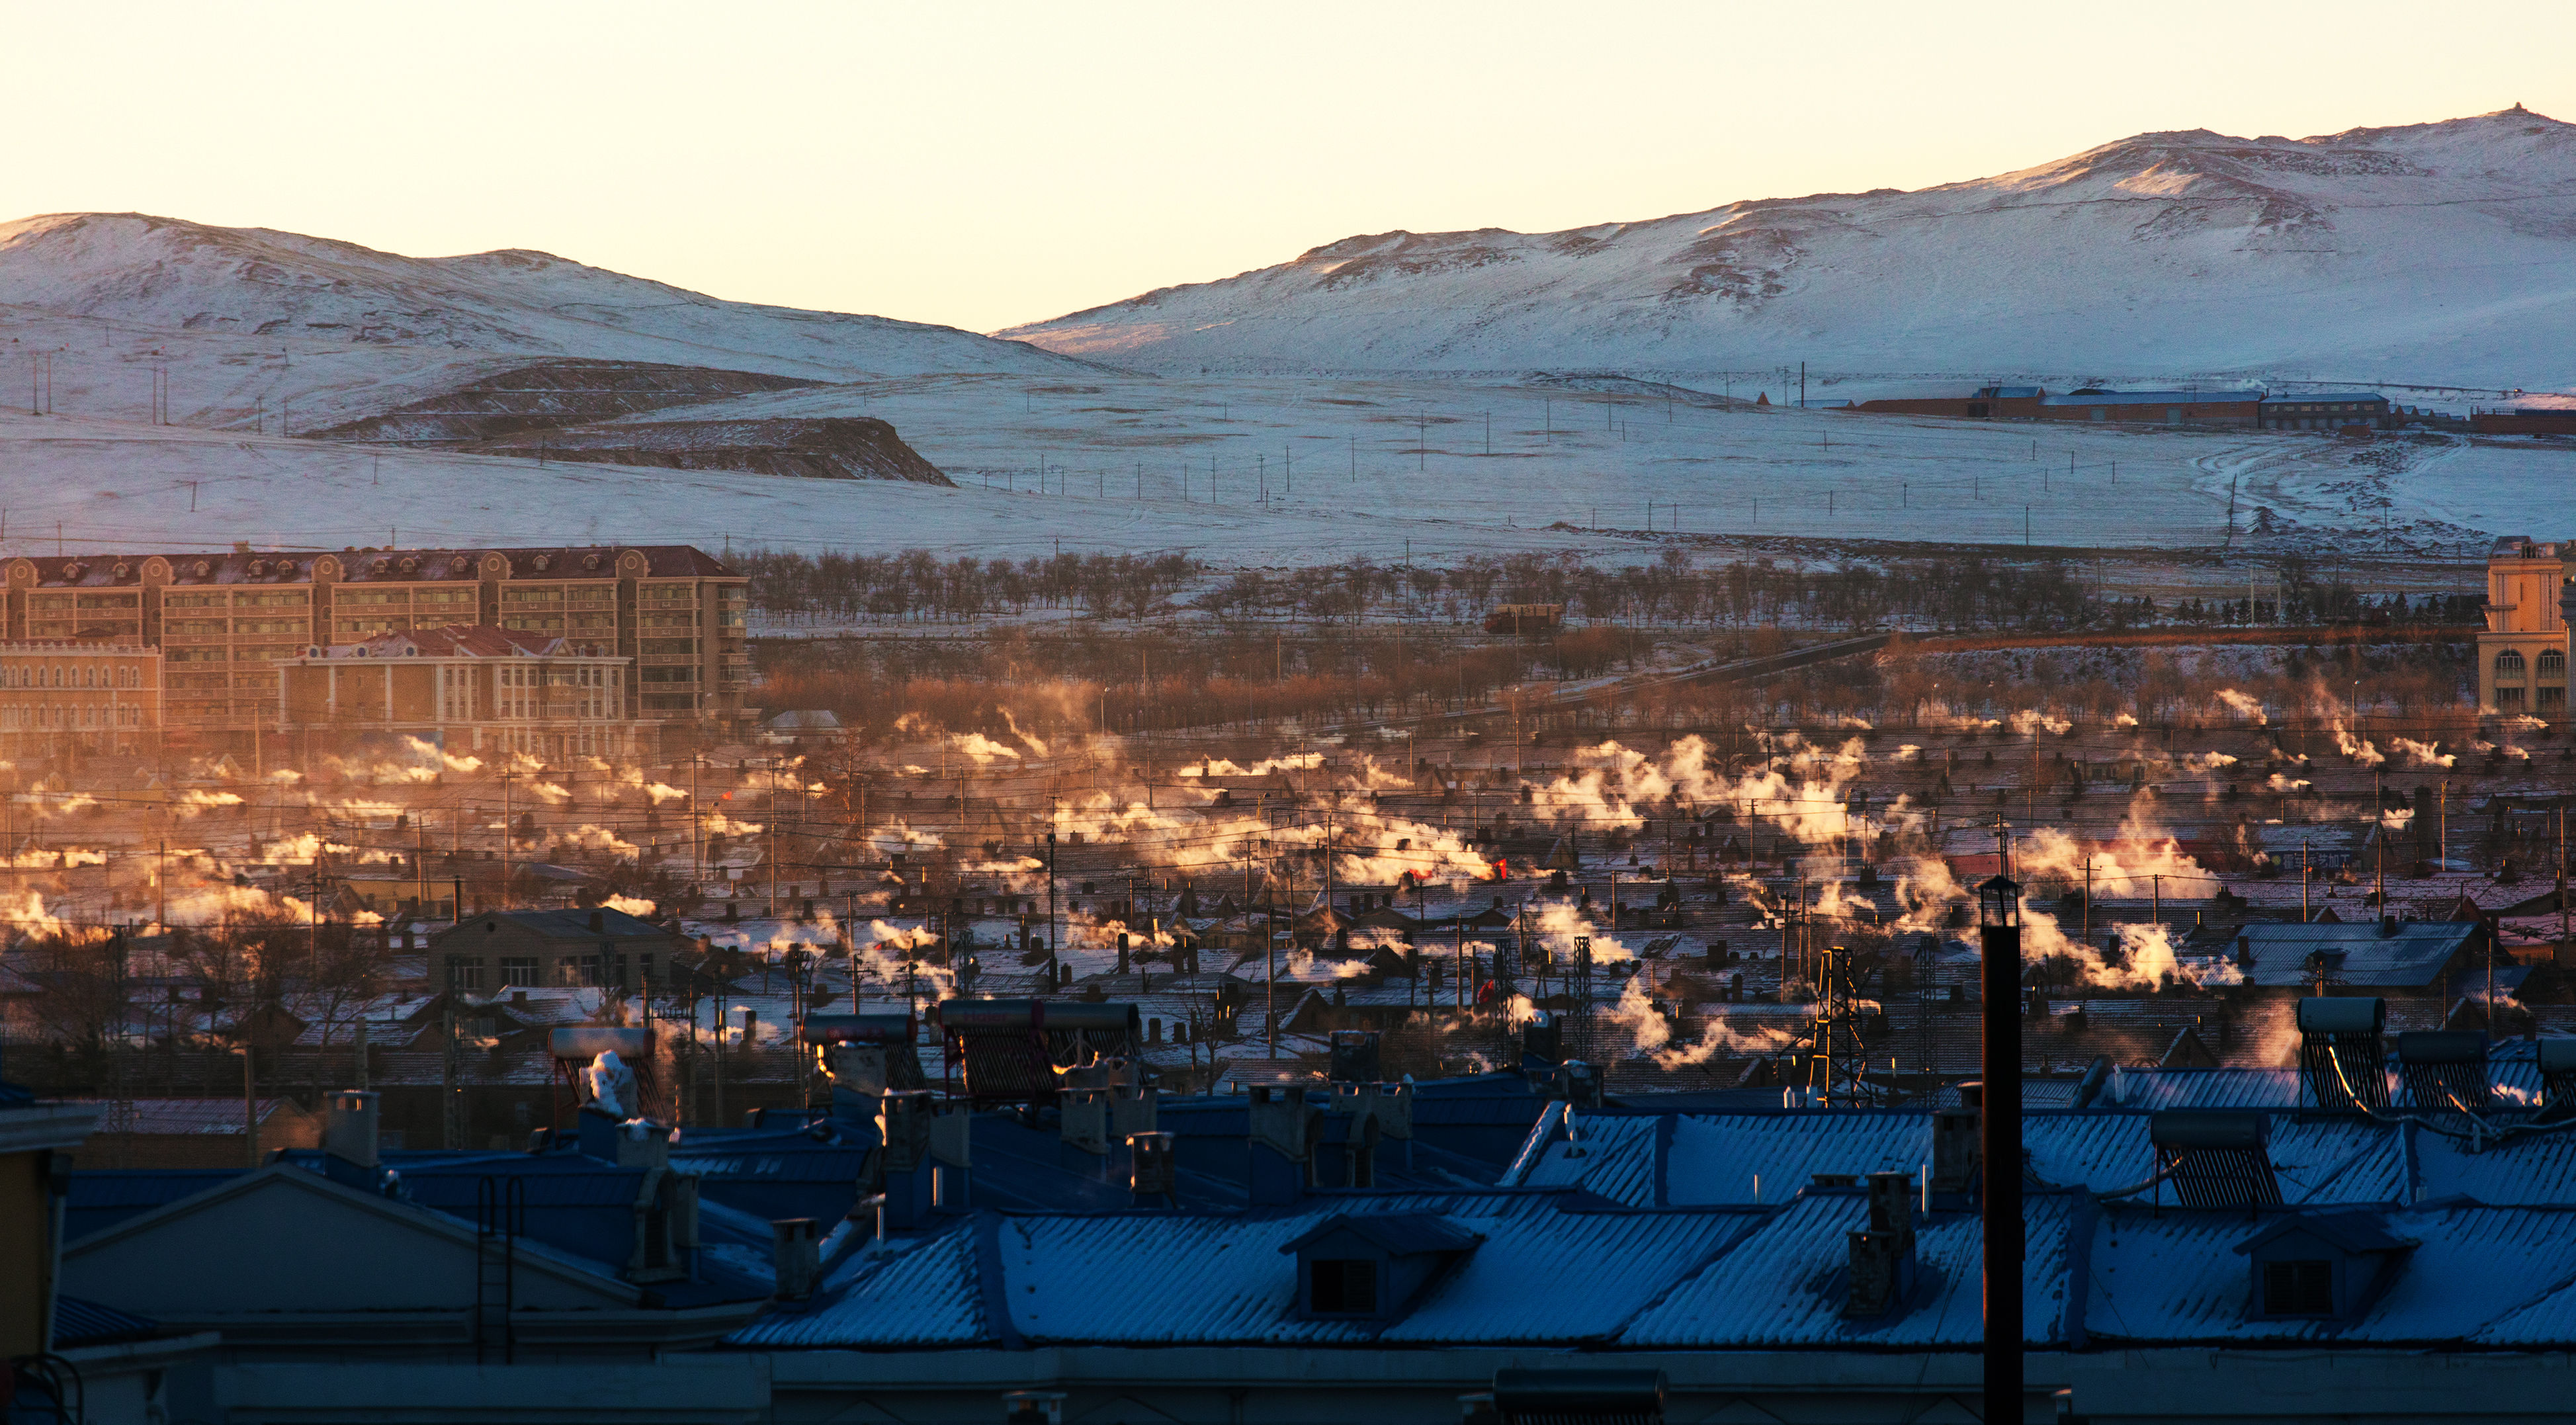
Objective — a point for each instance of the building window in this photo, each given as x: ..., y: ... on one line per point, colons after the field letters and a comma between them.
x: 2302, y: 1288
x: 464, y: 972
x: 514, y: 692
x: 2509, y: 699
x: 2508, y: 664
x: 2553, y: 665
x: 577, y: 970
x: 518, y: 970
x: 1342, y: 1287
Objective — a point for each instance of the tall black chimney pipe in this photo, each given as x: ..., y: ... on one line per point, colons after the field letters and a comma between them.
x: 1999, y: 1135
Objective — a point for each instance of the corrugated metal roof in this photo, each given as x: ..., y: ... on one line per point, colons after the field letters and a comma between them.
x: 909, y: 1293
x: 1716, y: 1158
x: 2141, y: 1088
x: 213, y: 1116
x: 1749, y: 1158
x: 87, y: 1323
x: 2480, y: 1275
x: 1562, y: 1276
x: 1149, y: 1279
x: 1782, y: 1284
x: 1611, y: 1156
x: 2410, y: 953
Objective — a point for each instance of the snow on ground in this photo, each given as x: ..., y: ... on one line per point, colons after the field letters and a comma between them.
x: 1279, y: 471
x: 2430, y: 252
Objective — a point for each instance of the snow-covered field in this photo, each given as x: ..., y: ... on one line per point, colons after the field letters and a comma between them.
x: 236, y: 336
x: 1279, y: 471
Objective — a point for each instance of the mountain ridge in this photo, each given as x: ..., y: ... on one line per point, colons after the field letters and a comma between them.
x: 2444, y: 249
x: 173, y: 273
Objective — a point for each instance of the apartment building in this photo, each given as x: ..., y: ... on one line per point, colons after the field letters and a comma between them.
x: 466, y: 689
x: 2522, y: 652
x: 222, y: 621
x: 57, y: 693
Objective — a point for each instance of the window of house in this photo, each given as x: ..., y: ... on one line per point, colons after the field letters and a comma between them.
x: 2508, y: 664
x: 2298, y: 1288
x: 1341, y: 1286
x: 2553, y: 664
x: 518, y: 970
x: 465, y: 972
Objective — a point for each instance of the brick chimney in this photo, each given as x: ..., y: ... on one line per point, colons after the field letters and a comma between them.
x: 1882, y: 1256
x: 1282, y: 1129
x: 796, y: 1254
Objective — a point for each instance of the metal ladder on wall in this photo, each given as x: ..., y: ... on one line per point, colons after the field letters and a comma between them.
x: 500, y: 1216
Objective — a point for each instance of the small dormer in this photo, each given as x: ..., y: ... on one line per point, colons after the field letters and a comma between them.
x: 2320, y: 1266
x: 1362, y: 1267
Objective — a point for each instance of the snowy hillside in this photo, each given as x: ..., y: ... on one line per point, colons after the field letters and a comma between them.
x: 2430, y: 253
x: 164, y: 274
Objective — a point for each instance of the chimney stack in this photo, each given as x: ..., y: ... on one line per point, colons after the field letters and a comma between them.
x: 1882, y: 1257
x: 797, y: 1254
x: 1954, y: 1142
x: 1282, y: 1133
x: 1152, y: 1174
x: 1083, y: 1117
x: 349, y: 1139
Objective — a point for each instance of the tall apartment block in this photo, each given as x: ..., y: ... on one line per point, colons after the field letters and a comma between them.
x: 222, y: 621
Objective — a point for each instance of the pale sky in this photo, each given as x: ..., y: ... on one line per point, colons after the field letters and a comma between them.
x: 980, y: 165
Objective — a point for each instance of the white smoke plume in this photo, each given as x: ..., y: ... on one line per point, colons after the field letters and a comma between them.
x: 2244, y: 706
x: 1034, y: 742
x: 2422, y: 754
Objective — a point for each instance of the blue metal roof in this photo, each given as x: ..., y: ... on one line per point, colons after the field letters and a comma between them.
x: 905, y: 1293
x: 2406, y: 954
x: 1777, y: 1286
x: 101, y: 1198
x: 2351, y: 1159
x: 2478, y: 1276
x: 87, y: 1323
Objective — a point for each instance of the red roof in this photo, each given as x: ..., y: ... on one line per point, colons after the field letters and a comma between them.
x: 361, y: 566
x: 460, y: 640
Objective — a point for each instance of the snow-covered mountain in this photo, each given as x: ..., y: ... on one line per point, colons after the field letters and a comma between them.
x: 167, y: 274
x: 2429, y: 253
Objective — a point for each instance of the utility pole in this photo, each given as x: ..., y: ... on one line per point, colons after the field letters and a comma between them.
x: 507, y: 832
x: 1999, y: 903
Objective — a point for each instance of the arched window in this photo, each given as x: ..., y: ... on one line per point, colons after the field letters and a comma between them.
x: 2508, y: 664
x: 2553, y: 663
